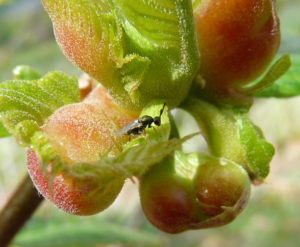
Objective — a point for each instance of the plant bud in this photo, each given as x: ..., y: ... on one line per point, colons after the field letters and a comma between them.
x: 237, y: 41
x: 220, y: 185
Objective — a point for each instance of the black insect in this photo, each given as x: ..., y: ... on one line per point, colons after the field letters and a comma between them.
x: 139, y: 125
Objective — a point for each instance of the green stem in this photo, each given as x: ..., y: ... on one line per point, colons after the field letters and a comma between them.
x: 219, y: 127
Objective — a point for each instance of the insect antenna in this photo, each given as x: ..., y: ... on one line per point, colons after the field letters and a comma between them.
x: 162, y: 110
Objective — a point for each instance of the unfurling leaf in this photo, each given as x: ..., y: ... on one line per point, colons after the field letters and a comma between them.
x: 278, y: 69
x: 286, y: 86
x: 258, y: 151
x: 26, y: 104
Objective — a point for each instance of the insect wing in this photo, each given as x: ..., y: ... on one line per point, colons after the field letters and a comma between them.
x: 127, y: 128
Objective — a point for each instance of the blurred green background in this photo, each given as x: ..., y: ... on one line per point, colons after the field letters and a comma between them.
x: 272, y: 217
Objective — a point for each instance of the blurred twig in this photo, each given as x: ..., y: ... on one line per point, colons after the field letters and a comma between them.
x: 18, y: 210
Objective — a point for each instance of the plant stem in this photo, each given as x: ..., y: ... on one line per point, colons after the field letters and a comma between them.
x: 18, y: 210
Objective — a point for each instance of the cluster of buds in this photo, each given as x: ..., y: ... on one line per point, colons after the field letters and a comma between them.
x: 145, y: 58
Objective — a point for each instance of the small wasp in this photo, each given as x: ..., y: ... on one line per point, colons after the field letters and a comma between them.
x: 139, y: 125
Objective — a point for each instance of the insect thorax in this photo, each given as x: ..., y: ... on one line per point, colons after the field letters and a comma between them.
x: 145, y: 119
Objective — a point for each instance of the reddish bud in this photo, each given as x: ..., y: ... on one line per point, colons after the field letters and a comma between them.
x: 237, y: 40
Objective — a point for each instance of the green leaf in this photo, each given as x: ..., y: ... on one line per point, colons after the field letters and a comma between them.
x: 278, y: 69
x: 26, y: 104
x: 258, y: 151
x: 286, y: 86
x: 80, y: 232
x: 134, y: 161
x: 20, y: 73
